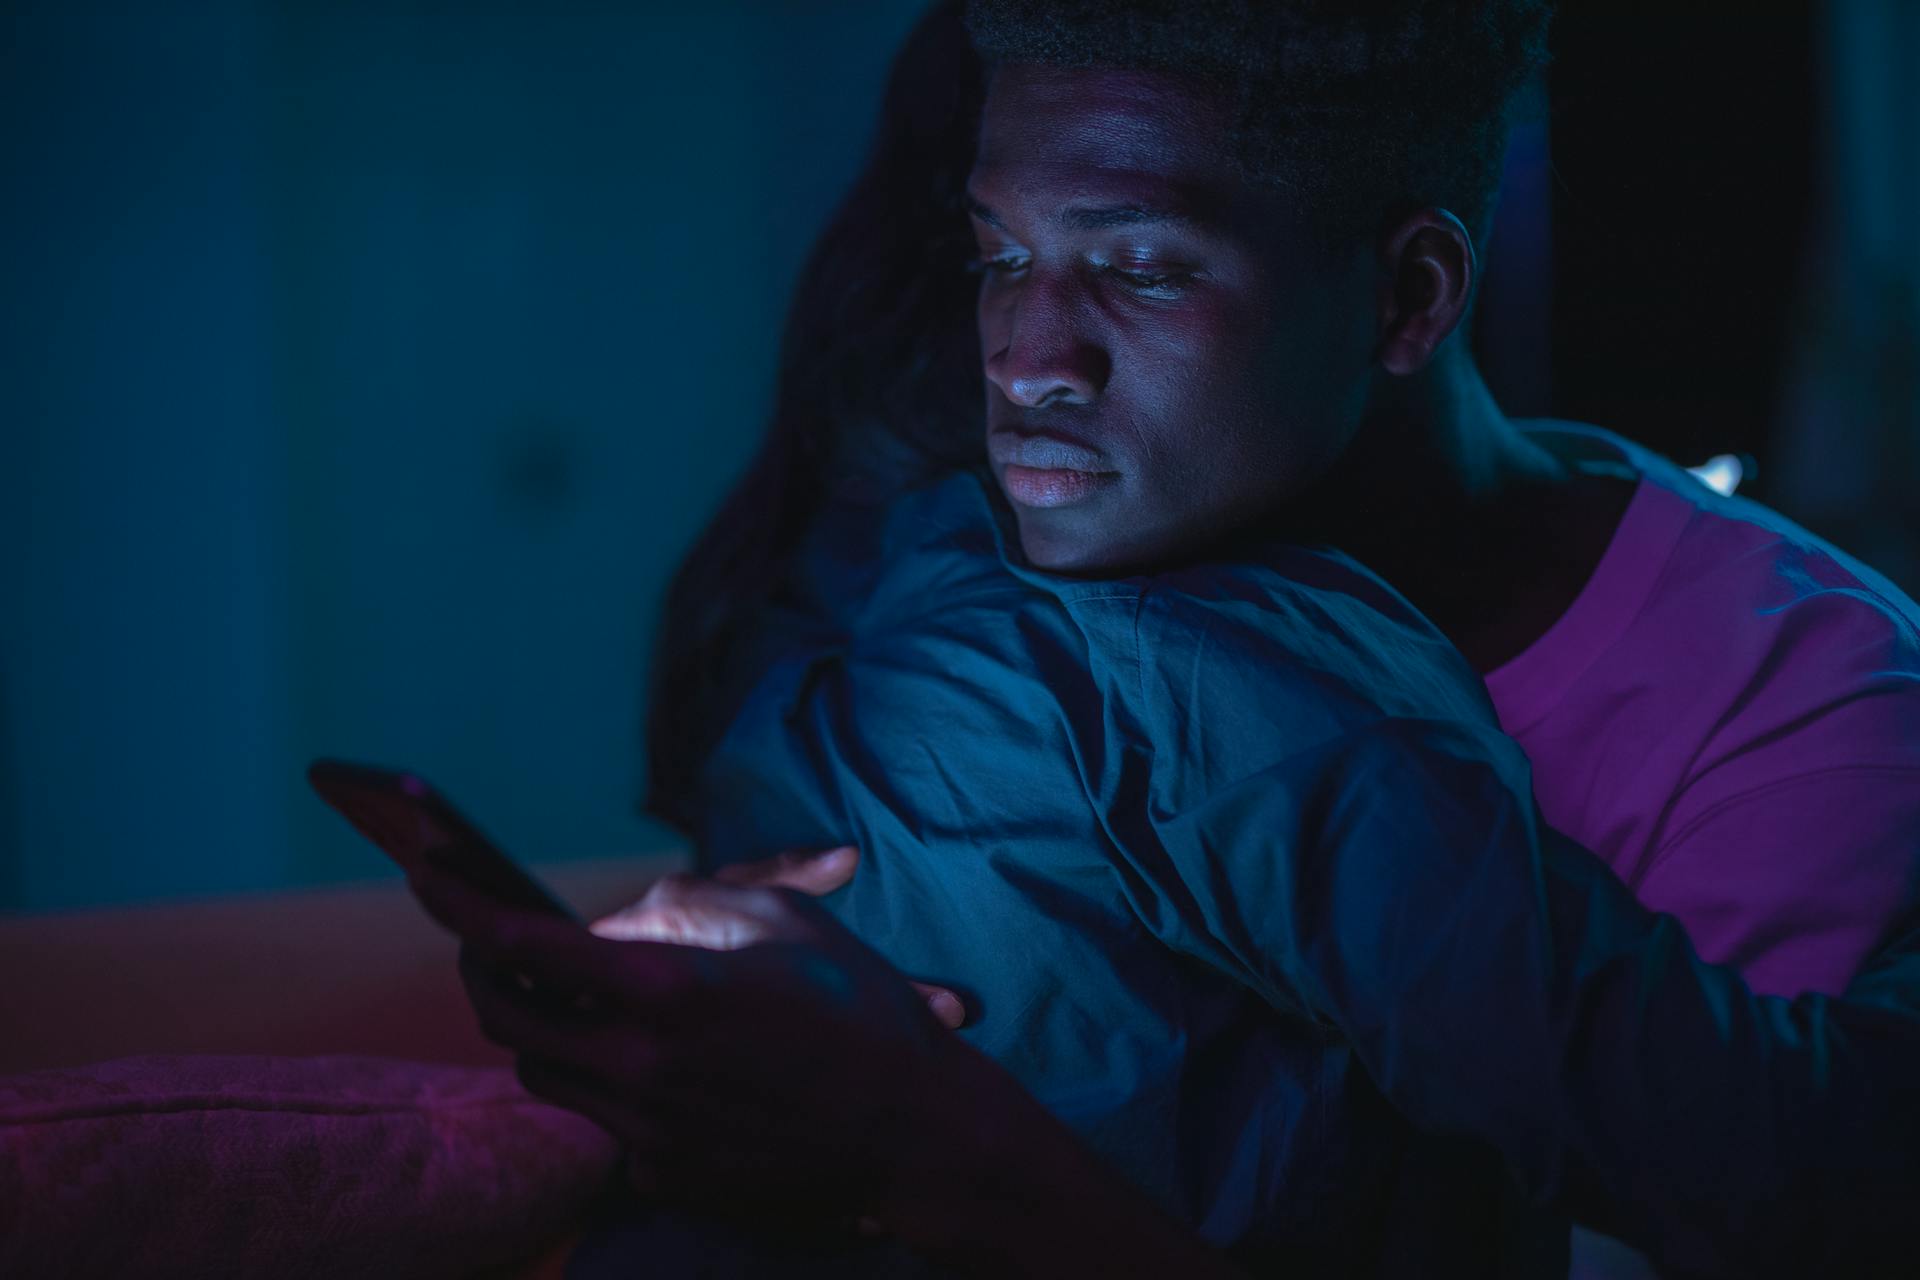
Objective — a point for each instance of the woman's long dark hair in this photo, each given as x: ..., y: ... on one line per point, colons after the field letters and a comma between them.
x: 878, y: 388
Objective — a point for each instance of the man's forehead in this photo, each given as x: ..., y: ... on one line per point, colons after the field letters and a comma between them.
x: 1089, y: 197
x: 1100, y: 126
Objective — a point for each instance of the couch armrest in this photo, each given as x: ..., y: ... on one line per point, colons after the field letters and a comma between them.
x: 356, y: 969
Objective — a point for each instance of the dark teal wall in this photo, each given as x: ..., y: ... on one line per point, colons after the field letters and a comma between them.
x: 366, y: 369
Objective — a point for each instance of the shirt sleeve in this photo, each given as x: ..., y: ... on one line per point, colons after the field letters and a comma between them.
x: 1501, y: 984
x: 1796, y: 881
x: 1787, y: 833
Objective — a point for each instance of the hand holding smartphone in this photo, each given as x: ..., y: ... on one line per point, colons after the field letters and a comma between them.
x: 412, y: 824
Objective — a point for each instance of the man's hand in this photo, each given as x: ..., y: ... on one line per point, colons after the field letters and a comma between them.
x: 741, y: 907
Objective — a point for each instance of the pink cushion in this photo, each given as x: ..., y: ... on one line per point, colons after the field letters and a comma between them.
x: 325, y: 1166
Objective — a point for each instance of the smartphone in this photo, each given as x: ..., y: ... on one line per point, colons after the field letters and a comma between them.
x: 417, y: 828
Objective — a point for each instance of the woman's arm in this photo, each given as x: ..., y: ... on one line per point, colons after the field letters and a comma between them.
x: 1501, y: 984
x: 1013, y: 1191
x: 799, y: 1077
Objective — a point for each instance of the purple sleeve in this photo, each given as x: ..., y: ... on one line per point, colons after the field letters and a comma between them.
x: 1794, y: 882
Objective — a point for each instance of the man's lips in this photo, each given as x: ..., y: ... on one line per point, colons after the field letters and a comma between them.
x: 1047, y: 470
x: 1052, y: 486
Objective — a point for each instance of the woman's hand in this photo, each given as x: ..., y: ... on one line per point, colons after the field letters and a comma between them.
x: 734, y: 909
x: 798, y: 1078
x: 797, y: 1072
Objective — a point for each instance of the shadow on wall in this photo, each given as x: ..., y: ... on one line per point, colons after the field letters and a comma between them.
x: 1848, y: 430
x: 1733, y: 268
x: 369, y: 367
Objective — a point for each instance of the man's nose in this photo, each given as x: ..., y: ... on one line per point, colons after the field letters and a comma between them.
x: 1046, y: 357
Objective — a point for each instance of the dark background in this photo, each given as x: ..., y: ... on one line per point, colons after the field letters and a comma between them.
x: 365, y: 367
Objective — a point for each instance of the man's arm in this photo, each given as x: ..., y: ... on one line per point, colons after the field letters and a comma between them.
x: 1796, y: 881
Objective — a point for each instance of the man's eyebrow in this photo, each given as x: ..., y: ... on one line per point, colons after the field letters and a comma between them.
x: 983, y: 213
x: 1119, y: 215
x: 1082, y: 218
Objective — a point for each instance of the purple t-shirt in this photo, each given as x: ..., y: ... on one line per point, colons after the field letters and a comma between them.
x: 1729, y: 714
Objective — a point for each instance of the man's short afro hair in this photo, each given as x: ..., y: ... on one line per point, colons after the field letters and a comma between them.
x: 1365, y: 109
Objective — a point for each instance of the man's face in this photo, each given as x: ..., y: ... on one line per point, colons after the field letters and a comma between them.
x: 1166, y: 357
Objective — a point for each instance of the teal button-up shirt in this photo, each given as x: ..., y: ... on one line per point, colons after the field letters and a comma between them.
x: 1229, y: 857
x: 1053, y: 779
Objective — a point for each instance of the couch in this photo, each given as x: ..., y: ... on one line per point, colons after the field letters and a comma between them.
x: 280, y: 1084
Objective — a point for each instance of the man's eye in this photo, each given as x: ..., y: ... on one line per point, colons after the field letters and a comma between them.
x: 984, y: 266
x: 1161, y: 284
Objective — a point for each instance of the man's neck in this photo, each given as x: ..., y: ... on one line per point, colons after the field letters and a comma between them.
x: 1486, y: 531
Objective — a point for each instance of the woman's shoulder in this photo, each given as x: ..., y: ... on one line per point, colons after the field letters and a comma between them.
x: 1274, y: 622
x: 1301, y: 628
x: 935, y: 550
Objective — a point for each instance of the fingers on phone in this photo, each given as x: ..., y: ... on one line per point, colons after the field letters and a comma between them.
x: 946, y: 1006
x: 811, y: 871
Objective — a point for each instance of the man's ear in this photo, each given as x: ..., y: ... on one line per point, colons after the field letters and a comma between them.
x: 1427, y: 274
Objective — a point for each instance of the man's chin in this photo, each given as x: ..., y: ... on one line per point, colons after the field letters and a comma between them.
x: 1075, y: 548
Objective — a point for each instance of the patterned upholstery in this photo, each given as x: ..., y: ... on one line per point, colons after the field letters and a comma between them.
x: 333, y: 1166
